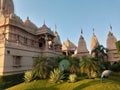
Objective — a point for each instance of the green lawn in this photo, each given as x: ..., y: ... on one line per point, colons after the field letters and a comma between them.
x: 111, y: 83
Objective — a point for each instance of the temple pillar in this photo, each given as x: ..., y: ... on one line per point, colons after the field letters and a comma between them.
x: 46, y: 42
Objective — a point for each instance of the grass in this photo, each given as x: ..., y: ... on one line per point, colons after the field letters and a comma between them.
x: 111, y: 83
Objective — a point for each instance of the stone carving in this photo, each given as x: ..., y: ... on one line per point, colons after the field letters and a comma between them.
x: 6, y: 7
x: 81, y: 49
x: 30, y: 24
x: 68, y: 47
x: 111, y: 40
x: 94, y: 42
x: 112, y: 53
x: 57, y: 40
x: 15, y: 17
x: 82, y: 45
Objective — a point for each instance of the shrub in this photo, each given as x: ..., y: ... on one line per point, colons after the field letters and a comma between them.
x: 115, y: 67
x: 74, y: 68
x: 56, y: 76
x: 72, y: 78
x: 41, y: 68
x: 1, y: 79
x: 10, y: 80
x: 28, y: 76
x: 88, y: 66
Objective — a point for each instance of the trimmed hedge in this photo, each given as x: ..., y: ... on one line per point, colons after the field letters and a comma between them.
x: 11, y: 80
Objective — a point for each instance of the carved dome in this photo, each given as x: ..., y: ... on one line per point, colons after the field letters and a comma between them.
x: 94, y: 42
x: 82, y: 45
x: 29, y: 24
x: 111, y: 40
x: 57, y: 40
x: 15, y: 17
x: 68, y: 45
x: 44, y: 30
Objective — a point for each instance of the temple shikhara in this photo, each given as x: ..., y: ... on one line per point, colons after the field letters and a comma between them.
x: 21, y: 41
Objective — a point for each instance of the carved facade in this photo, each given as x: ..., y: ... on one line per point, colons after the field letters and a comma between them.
x: 81, y: 49
x: 113, y: 55
x: 68, y: 48
x: 94, y: 42
x: 21, y: 41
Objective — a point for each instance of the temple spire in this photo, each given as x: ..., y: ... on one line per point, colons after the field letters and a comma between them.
x: 6, y: 7
x: 94, y: 41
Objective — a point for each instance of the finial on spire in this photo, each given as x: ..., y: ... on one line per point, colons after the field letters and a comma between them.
x: 81, y: 31
x: 27, y: 18
x: 110, y: 27
x: 93, y: 30
x: 44, y: 21
x: 55, y: 27
x: 67, y: 39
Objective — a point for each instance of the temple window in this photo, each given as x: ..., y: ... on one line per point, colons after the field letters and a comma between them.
x: 8, y: 51
x: 41, y: 43
x: 16, y: 61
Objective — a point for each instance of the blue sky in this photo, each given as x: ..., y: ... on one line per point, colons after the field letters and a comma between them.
x: 72, y: 15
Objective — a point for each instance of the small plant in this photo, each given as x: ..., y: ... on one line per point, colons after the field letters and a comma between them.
x: 28, y: 76
x: 56, y: 76
x: 72, y: 78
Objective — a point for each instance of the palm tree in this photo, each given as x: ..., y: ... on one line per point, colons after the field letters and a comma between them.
x: 41, y: 67
x: 100, y: 52
x: 74, y: 68
x: 88, y: 66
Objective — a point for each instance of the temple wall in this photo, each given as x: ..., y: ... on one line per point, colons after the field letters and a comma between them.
x: 2, y: 51
x: 113, y: 56
x: 22, y: 37
x: 50, y: 53
x: 25, y: 58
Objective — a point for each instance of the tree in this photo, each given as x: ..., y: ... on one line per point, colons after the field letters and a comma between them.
x: 88, y: 66
x: 118, y: 46
x: 41, y: 67
x: 100, y: 52
x: 74, y: 68
x: 115, y: 67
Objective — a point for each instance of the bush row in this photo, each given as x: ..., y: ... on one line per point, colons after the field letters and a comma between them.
x: 10, y: 80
